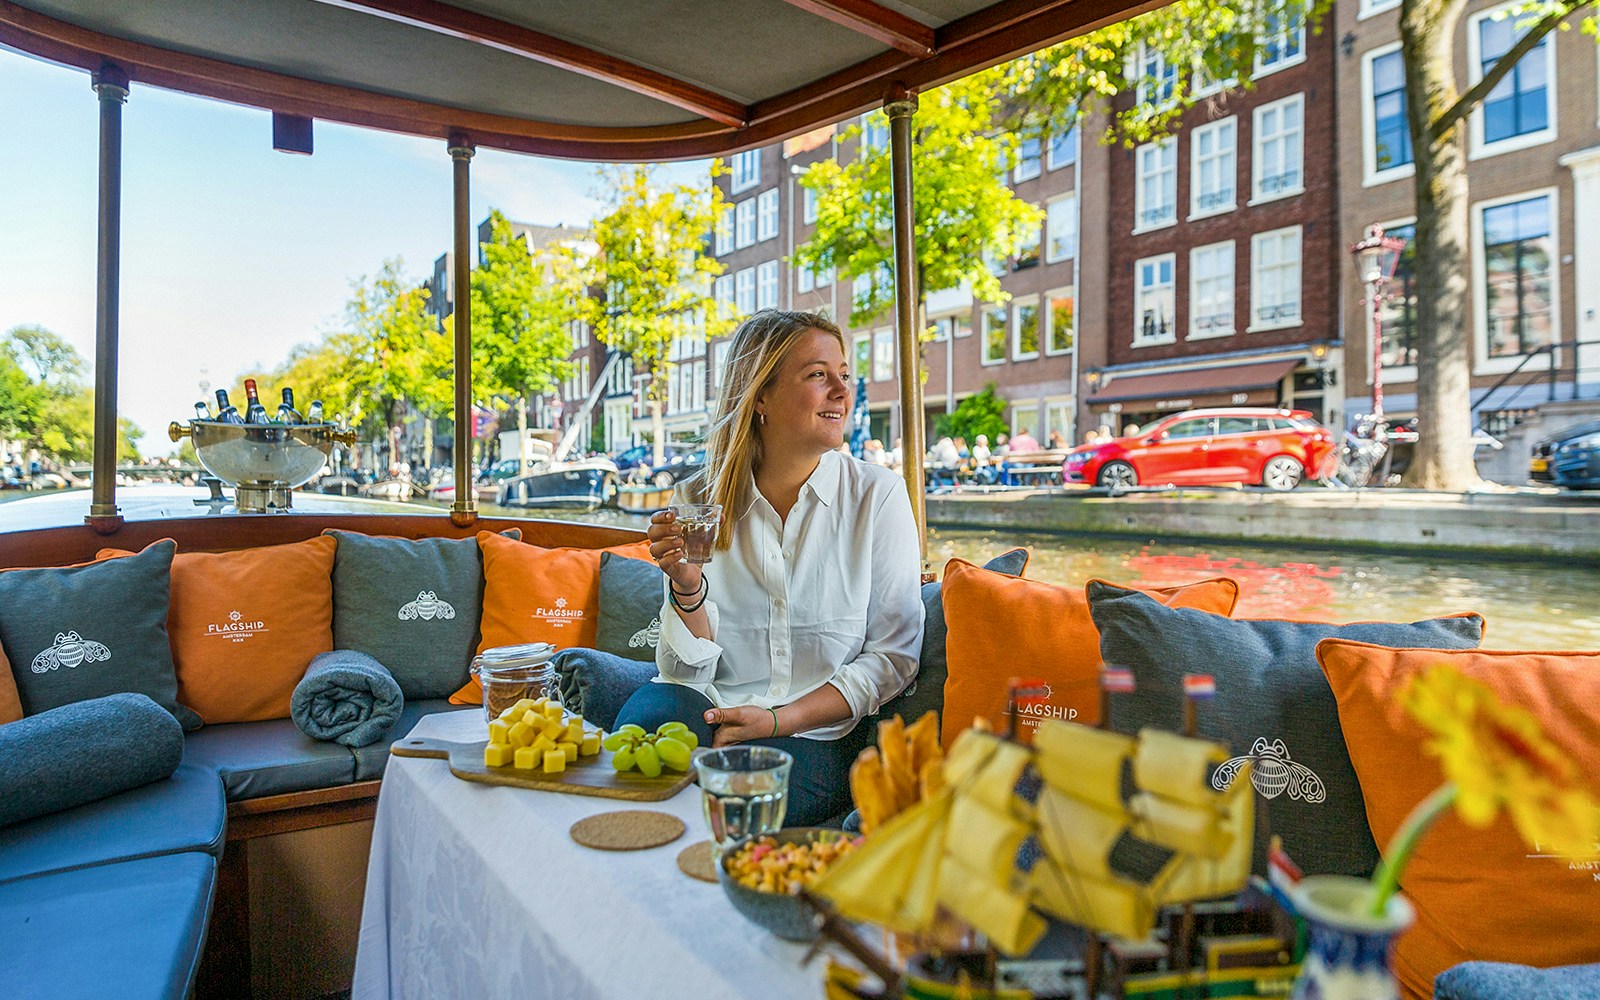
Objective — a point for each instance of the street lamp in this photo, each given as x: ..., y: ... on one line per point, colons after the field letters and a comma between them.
x: 1377, y: 256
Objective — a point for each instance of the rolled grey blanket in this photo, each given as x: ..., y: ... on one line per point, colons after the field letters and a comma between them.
x: 346, y: 697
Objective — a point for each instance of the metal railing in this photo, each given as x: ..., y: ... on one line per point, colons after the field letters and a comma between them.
x: 1498, y: 421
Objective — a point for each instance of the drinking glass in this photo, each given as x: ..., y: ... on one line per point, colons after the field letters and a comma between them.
x: 744, y: 791
x: 698, y: 522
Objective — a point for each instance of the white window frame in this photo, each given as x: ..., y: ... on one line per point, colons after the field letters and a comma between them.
x: 724, y: 232
x: 1231, y: 124
x: 824, y: 278
x: 767, y: 285
x: 1482, y: 364
x: 1257, y: 196
x: 1370, y: 174
x: 1369, y: 8
x: 1028, y: 168
x: 1063, y: 207
x: 1146, y: 56
x: 855, y: 355
x: 1050, y: 150
x: 1017, y: 305
x: 1047, y: 320
x: 805, y: 279
x: 1263, y: 69
x: 1477, y: 148
x: 744, y: 224
x: 883, y: 354
x: 767, y: 215
x: 1256, y: 324
x: 1195, y: 330
x: 1067, y: 408
x: 1139, y: 292
x: 1157, y: 151
x: 746, y: 171
x: 808, y: 206
x: 984, y: 315
x: 722, y: 292
x: 1391, y: 373
x: 744, y: 291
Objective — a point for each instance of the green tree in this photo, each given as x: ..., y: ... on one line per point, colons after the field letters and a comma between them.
x: 65, y: 430
x: 387, y: 340
x: 657, y: 278
x: 965, y: 213
x: 49, y: 361
x: 19, y: 399
x: 982, y: 412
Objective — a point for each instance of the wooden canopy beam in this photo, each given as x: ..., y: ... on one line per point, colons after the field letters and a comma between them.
x: 876, y: 22
x: 552, y: 51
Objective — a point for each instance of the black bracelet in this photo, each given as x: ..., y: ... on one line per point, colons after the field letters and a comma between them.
x: 705, y: 592
x: 690, y: 593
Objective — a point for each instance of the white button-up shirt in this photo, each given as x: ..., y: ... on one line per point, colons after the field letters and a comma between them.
x: 831, y: 595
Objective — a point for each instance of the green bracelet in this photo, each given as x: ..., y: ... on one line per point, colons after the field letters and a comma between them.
x: 774, y: 723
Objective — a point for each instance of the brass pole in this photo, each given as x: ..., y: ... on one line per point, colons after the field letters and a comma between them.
x: 900, y: 106
x: 464, y: 511
x: 111, y: 87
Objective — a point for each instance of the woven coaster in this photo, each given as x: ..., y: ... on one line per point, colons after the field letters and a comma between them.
x: 628, y: 830
x: 696, y: 861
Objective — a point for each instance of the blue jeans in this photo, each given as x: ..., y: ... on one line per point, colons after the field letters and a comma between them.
x: 819, y: 780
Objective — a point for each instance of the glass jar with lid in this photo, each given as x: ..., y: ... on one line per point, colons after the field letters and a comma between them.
x: 510, y: 673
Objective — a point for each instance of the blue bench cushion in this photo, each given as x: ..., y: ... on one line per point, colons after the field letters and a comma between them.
x: 1500, y: 981
x: 185, y: 812
x: 268, y: 758
x: 132, y: 930
x: 372, y: 758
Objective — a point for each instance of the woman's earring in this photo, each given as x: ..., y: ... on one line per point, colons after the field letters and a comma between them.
x: 763, y: 420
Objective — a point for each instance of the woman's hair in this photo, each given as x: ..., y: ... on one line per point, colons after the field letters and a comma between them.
x: 733, y: 448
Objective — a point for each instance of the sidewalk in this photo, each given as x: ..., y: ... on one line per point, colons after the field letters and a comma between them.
x: 1509, y: 522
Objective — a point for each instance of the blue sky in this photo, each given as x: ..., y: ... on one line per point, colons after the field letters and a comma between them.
x: 231, y: 253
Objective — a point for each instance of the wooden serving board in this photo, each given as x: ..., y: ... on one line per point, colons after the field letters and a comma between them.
x: 584, y: 776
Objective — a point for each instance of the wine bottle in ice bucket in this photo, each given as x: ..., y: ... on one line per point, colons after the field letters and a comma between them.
x: 254, y: 412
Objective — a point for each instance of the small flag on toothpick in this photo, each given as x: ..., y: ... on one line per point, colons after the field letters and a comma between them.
x: 1282, y: 873
x: 1199, y: 686
x: 1117, y: 679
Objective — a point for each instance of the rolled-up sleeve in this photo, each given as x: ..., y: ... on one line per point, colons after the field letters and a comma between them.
x: 893, y: 644
x: 682, y: 656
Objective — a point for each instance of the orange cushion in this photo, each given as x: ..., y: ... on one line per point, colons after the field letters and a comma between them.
x: 246, y: 624
x: 10, y: 701
x: 1479, y: 894
x: 1005, y: 626
x: 535, y: 594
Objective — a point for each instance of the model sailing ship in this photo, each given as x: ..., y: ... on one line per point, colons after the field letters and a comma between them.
x: 1104, y: 831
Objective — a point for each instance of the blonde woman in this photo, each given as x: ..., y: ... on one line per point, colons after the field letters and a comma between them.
x: 809, y: 616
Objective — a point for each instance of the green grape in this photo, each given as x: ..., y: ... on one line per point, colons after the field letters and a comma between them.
x: 623, y: 759
x: 673, y: 753
x: 646, y: 760
x: 616, y: 741
x: 687, y: 738
x: 649, y: 738
x: 631, y: 729
x: 666, y: 728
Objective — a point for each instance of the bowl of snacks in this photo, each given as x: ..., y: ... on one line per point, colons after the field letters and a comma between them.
x: 763, y: 876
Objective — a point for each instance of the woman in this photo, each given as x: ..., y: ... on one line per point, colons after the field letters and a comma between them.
x: 809, y: 617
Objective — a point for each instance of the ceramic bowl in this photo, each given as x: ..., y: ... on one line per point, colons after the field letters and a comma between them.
x: 782, y: 914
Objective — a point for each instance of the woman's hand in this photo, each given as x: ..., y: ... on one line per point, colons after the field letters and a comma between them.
x: 666, y: 548
x: 740, y: 725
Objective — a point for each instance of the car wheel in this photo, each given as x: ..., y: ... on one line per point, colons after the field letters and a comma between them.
x: 1117, y: 476
x: 1281, y: 473
x: 663, y: 478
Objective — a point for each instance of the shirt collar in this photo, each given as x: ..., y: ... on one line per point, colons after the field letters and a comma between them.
x: 823, y: 482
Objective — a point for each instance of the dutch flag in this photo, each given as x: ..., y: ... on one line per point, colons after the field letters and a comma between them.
x: 1117, y: 679
x: 1198, y: 686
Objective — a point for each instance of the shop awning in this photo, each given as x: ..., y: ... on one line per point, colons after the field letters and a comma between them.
x: 1181, y: 389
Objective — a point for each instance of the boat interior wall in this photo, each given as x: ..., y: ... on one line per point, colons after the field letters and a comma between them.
x: 305, y: 891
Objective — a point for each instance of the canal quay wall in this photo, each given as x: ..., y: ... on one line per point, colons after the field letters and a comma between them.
x: 1508, y: 524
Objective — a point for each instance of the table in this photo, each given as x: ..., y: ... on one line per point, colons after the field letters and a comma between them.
x: 477, y: 891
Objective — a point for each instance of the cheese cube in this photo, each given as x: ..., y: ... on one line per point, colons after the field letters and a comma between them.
x: 553, y: 710
x: 522, y: 705
x: 590, y: 745
x: 574, y: 731
x: 499, y: 731
x: 554, y: 760
x: 520, y: 735
x: 570, y: 749
x: 542, y: 744
x: 527, y: 758
x: 497, y: 755
x: 555, y: 729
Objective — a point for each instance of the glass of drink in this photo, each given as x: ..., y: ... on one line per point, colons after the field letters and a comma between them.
x: 744, y: 791
x: 698, y: 522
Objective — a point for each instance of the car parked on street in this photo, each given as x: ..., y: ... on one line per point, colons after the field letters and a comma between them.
x: 1541, y: 462
x: 1274, y: 448
x: 642, y: 454
x: 680, y: 467
x: 1575, y: 458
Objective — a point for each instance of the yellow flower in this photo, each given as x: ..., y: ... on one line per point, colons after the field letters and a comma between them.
x: 1496, y: 755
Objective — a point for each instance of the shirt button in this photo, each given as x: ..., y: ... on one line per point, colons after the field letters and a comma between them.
x: 787, y: 554
x: 781, y: 651
x: 778, y: 603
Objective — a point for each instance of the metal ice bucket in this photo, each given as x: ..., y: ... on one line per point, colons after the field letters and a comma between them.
x: 263, y: 462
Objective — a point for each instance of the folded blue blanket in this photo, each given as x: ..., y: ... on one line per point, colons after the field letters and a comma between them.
x: 347, y: 697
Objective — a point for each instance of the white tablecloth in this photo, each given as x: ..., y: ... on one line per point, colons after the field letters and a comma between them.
x: 477, y: 892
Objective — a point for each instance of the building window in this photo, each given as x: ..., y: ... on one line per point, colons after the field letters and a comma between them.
x: 824, y: 277
x: 744, y: 291
x: 1522, y: 104
x: 767, y: 215
x: 1063, y: 150
x: 876, y: 284
x: 1025, y: 329
x: 746, y: 170
x: 1061, y: 229
x: 883, y: 354
x: 1156, y: 78
x: 1517, y: 277
x: 1398, y: 310
x: 1390, y: 134
x: 1211, y: 291
x: 1279, y: 131
x: 1282, y: 42
x: 1157, y: 191
x: 863, y: 356
x: 994, y: 334
x: 874, y: 131
x: 957, y: 325
x: 995, y: 262
x: 1213, y: 166
x: 1058, y: 319
x: 1027, y: 250
x: 805, y: 279
x: 767, y: 285
x: 722, y: 291
x: 1371, y: 7
x: 744, y: 223
x: 1029, y: 156
x: 1153, y: 313
x: 724, y: 233
x: 719, y: 362
x: 1275, y: 279
x: 808, y: 206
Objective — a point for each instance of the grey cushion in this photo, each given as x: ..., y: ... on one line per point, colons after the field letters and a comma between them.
x: 268, y: 758
x: 1272, y: 703
x: 186, y: 812
x: 595, y: 684
x: 630, y: 607
x: 926, y: 692
x: 131, y: 930
x: 346, y: 696
x: 374, y: 757
x: 79, y: 632
x: 1500, y: 981
x: 413, y: 605
x: 83, y: 752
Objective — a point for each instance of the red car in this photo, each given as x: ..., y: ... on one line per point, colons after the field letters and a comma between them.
x: 1275, y: 448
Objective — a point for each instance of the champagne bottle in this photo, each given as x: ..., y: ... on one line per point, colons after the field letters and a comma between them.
x: 314, y: 412
x: 287, y: 414
x: 254, y: 412
x: 226, y: 412
x: 202, y: 411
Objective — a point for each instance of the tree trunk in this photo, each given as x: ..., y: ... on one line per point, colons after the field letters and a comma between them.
x: 658, y: 434
x: 522, y: 434
x: 427, y: 441
x: 1442, y: 459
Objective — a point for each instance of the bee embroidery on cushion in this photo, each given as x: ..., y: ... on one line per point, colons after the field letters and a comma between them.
x: 427, y: 606
x: 1273, y: 773
x: 69, y: 650
x: 647, y: 636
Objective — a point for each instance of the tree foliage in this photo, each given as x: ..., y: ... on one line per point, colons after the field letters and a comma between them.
x: 44, y: 401
x: 394, y: 347
x: 983, y: 412
x: 524, y: 301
